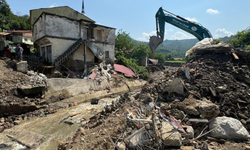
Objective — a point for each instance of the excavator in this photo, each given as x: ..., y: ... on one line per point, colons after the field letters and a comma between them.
x: 191, y: 27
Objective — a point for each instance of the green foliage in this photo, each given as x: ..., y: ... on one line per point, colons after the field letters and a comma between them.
x: 248, y: 47
x: 217, y: 41
x: 241, y: 40
x: 140, y: 52
x: 123, y: 41
x: 10, y: 21
x: 132, y: 64
x: 161, y: 58
x: 123, y: 47
x: 169, y: 57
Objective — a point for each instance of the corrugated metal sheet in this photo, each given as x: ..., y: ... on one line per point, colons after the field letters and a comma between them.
x: 126, y: 71
x: 154, y: 61
x: 4, y: 33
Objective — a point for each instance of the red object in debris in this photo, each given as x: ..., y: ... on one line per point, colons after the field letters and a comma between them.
x: 126, y: 71
x: 154, y: 61
x: 93, y: 74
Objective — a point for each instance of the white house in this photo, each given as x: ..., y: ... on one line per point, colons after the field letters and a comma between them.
x: 65, y: 36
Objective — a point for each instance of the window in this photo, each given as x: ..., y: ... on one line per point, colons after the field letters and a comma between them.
x: 99, y: 35
x: 25, y: 39
x: 106, y: 54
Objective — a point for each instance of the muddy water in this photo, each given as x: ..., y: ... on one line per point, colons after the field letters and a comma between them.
x: 47, y: 132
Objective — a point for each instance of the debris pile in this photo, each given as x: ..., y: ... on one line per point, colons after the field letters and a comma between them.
x: 22, y: 95
x: 203, y: 105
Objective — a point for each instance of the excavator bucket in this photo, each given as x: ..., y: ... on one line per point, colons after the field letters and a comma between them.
x: 154, y: 41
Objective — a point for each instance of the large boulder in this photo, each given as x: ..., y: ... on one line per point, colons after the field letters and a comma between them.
x: 228, y: 128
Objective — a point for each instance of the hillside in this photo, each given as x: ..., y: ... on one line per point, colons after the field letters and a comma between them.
x: 178, y: 48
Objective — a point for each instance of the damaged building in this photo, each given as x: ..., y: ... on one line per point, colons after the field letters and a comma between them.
x: 66, y: 37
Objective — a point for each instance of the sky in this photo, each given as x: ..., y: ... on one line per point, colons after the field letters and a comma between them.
x: 137, y: 17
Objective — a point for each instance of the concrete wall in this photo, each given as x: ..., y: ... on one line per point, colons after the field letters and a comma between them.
x: 107, y: 47
x: 74, y: 87
x: 62, y: 27
x: 62, y: 11
x: 38, y: 31
x: 107, y: 35
x: 59, y: 46
x: 76, y: 60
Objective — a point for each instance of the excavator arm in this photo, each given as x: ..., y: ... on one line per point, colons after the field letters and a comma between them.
x: 191, y: 27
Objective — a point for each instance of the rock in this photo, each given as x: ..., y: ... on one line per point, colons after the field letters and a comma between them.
x: 30, y: 73
x: 150, y: 107
x: 208, y: 109
x: 170, y: 136
x: 190, y: 106
x: 22, y: 66
x: 1, y: 129
x: 220, y: 89
x: 2, y: 120
x: 190, y: 132
x: 187, y: 148
x: 175, y: 86
x: 75, y: 104
x: 177, y: 114
x: 247, y: 147
x: 121, y: 146
x: 16, y: 122
x: 228, y: 128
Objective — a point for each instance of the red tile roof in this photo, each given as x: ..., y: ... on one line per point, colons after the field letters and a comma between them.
x: 126, y: 71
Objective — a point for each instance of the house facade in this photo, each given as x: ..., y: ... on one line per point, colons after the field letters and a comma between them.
x: 64, y: 36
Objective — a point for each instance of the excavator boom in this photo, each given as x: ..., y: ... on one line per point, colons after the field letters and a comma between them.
x: 191, y: 27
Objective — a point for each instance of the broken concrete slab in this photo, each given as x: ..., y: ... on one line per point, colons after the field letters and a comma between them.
x: 228, y: 128
x: 22, y: 66
x: 27, y: 138
x: 170, y: 136
x: 31, y: 89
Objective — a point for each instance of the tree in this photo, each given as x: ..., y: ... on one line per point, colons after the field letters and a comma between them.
x: 10, y: 21
x: 161, y: 58
x: 123, y: 41
x: 242, y: 39
x: 4, y: 8
x: 140, y: 52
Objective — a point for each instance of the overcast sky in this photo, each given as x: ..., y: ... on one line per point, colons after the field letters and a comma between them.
x: 137, y: 17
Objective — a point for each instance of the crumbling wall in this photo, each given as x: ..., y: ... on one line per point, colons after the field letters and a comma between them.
x: 38, y: 31
x: 62, y: 27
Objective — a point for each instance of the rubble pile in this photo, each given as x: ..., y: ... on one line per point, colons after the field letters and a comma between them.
x: 203, y: 105
x: 22, y: 95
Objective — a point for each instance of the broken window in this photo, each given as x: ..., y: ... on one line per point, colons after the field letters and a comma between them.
x: 106, y: 54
